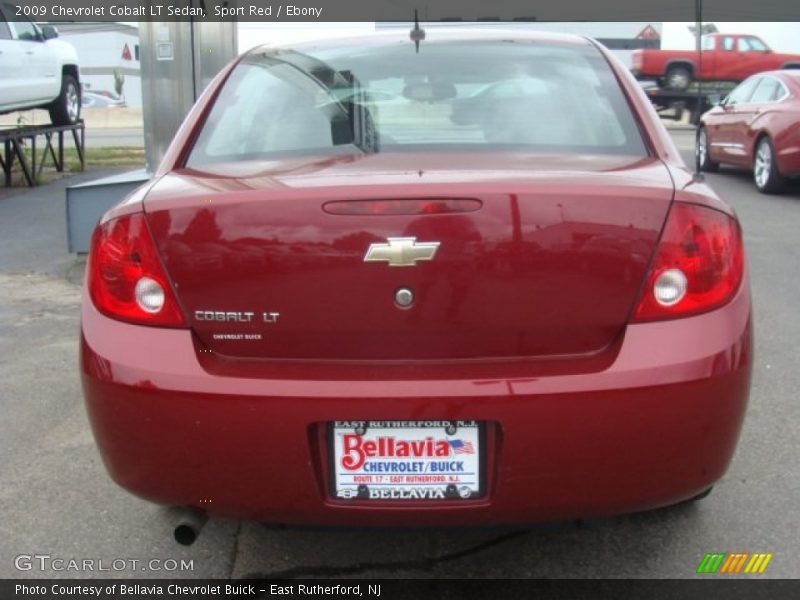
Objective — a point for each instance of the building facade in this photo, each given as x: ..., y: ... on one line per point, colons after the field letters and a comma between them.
x: 107, y: 51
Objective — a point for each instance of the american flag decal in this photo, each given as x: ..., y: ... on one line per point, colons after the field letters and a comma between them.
x: 462, y: 447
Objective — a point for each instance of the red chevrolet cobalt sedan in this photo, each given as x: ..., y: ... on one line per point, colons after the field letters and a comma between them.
x: 472, y: 283
x: 757, y: 126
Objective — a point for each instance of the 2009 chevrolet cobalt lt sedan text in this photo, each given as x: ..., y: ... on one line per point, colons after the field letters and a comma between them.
x: 471, y: 284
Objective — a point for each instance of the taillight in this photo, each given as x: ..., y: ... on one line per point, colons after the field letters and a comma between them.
x: 126, y: 279
x: 698, y: 264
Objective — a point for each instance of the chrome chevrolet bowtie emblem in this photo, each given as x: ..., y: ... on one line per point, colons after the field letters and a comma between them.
x: 401, y: 252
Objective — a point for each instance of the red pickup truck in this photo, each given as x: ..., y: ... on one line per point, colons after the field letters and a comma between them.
x: 725, y: 57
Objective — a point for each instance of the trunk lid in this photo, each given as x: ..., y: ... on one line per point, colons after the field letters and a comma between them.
x: 536, y: 256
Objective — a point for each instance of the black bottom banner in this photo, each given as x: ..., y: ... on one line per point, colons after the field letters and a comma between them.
x: 391, y: 589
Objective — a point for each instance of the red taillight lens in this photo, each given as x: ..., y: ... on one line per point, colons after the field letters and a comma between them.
x: 126, y: 279
x: 698, y: 264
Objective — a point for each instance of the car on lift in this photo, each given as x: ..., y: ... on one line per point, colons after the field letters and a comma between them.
x: 37, y: 70
x: 725, y: 57
x: 756, y: 126
x: 505, y: 300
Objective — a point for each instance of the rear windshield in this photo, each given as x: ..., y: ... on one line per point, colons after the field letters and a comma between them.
x: 449, y: 96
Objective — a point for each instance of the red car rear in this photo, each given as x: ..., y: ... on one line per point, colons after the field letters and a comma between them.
x: 473, y: 284
x: 757, y: 126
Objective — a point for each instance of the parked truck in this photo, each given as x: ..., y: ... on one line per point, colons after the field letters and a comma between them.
x: 724, y: 57
x: 37, y: 70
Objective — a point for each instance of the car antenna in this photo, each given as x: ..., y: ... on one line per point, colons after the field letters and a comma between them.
x: 698, y: 9
x: 417, y: 34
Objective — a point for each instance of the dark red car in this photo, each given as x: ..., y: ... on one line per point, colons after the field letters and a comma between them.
x: 367, y: 285
x: 757, y: 126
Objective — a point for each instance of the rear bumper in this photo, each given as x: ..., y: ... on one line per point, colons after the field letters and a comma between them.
x: 657, y: 426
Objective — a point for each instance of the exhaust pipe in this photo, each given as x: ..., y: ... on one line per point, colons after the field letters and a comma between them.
x: 188, y: 523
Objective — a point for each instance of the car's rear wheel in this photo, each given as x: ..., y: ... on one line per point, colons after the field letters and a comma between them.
x: 701, y: 495
x: 766, y: 176
x: 701, y: 156
x: 691, y: 500
x: 66, y: 109
x: 678, y: 78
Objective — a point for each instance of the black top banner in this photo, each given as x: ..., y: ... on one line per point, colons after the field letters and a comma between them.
x: 401, y: 10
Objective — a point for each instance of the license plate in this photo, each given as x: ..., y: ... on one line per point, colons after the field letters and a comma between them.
x: 407, y: 460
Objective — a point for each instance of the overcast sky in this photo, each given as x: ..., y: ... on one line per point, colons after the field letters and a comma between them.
x: 781, y: 37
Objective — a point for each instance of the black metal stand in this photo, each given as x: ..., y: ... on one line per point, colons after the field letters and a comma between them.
x: 14, y: 144
x: 690, y: 100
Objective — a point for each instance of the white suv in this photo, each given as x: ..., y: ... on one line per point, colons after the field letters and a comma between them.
x: 37, y: 70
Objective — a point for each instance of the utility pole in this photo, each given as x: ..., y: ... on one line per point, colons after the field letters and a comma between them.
x: 698, y: 34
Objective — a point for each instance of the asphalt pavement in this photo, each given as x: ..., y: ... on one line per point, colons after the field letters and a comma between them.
x: 56, y: 499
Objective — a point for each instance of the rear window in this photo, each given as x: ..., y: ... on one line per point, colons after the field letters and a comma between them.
x: 451, y: 96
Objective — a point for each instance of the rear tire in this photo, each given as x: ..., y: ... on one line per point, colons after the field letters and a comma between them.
x: 702, y: 159
x: 678, y: 78
x: 701, y: 495
x: 692, y: 500
x: 766, y: 176
x: 66, y: 109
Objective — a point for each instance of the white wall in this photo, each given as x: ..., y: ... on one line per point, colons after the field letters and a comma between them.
x: 102, y: 51
x: 255, y: 34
